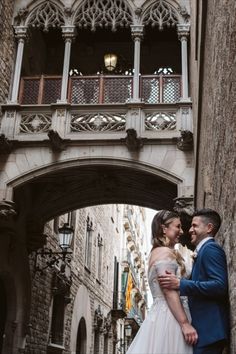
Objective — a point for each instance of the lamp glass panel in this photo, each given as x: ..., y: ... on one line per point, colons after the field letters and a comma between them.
x: 128, y: 331
x: 65, y: 236
x: 110, y: 61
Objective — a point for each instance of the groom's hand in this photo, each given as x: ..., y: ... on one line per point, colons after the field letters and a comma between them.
x: 169, y: 281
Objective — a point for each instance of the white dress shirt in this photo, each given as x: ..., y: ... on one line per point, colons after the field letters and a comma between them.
x: 201, y: 243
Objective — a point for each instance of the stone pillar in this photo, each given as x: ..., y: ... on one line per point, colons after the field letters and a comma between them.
x: 68, y: 33
x: 20, y: 34
x: 137, y: 35
x: 183, y: 33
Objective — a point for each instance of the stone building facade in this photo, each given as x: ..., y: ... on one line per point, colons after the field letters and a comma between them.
x: 136, y: 148
x: 83, y: 308
x: 213, y: 61
x: 7, y: 47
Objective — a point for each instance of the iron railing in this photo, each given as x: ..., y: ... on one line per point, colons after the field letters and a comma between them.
x: 100, y: 89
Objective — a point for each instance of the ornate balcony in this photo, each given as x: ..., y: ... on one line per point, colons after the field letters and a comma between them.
x: 100, y: 89
x: 118, y: 311
x: 99, y: 107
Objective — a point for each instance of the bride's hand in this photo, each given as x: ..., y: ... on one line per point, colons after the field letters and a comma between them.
x: 190, y: 333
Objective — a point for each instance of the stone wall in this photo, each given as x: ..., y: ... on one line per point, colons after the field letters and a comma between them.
x: 7, y: 47
x: 216, y: 174
x: 107, y: 222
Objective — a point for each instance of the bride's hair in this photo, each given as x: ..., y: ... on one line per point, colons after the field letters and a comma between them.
x: 163, y: 217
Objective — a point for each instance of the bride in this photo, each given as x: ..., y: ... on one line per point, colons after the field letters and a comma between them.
x: 167, y: 328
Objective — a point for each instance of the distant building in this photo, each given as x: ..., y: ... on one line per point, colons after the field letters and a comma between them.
x: 85, y: 305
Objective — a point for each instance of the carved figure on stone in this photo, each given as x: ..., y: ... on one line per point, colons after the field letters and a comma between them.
x: 132, y: 142
x: 185, y: 142
x: 5, y: 145
x: 57, y: 142
x: 98, y: 318
x: 7, y: 209
x: 184, y: 207
x: 61, y: 284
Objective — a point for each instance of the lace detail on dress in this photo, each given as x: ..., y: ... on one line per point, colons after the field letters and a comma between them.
x: 156, y: 269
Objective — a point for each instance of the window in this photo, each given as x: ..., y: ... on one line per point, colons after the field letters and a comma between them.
x: 88, y: 245
x: 99, y: 256
x: 57, y: 325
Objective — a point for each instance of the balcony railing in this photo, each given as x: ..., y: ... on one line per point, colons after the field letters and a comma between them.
x: 100, y: 89
x: 40, y: 89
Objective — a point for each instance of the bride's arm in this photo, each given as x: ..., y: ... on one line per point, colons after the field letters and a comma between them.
x: 174, y: 303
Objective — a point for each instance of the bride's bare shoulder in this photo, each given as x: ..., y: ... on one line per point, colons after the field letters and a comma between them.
x: 161, y: 253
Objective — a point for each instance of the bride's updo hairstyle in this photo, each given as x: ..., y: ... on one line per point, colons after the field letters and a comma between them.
x: 163, y: 217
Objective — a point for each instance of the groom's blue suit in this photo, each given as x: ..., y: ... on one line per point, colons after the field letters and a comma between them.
x: 207, y: 291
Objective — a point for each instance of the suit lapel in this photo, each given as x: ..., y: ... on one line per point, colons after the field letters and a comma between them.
x: 197, y: 260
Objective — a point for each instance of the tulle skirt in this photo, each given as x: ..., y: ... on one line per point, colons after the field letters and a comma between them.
x: 160, y: 333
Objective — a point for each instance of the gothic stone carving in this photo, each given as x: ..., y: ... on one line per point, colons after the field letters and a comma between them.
x: 132, y: 142
x: 103, y: 13
x: 98, y: 319
x: 57, y: 143
x: 184, y: 207
x: 5, y: 145
x: 7, y: 209
x: 185, y: 142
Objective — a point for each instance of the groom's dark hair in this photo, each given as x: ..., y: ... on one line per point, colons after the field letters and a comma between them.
x: 209, y: 216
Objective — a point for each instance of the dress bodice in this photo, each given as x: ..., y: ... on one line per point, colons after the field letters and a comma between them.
x: 159, y: 268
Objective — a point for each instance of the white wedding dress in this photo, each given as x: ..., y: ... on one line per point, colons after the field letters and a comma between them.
x: 160, y: 333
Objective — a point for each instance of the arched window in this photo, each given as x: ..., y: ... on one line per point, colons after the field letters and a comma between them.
x: 57, y: 325
x: 81, y: 337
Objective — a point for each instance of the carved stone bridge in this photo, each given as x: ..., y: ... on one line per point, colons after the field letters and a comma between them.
x: 71, y: 141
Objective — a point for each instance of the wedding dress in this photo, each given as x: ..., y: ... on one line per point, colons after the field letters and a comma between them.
x: 160, y: 332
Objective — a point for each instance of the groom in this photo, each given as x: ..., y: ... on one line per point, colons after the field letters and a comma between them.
x: 207, y: 289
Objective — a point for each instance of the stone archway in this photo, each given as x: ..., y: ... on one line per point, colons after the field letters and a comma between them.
x: 75, y: 185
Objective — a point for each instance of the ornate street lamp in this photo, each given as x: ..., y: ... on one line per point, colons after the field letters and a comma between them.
x: 65, y: 235
x: 110, y: 61
x: 128, y: 331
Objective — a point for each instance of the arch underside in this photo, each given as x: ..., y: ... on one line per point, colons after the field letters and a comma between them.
x: 76, y: 187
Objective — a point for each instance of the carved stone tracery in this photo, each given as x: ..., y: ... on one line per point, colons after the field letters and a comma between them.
x: 160, y: 14
x: 35, y: 123
x: 97, y: 122
x: 46, y: 15
x: 103, y: 13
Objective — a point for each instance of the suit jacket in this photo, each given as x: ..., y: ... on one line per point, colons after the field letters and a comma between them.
x: 207, y: 291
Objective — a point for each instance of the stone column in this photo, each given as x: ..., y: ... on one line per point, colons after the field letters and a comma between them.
x: 137, y: 35
x: 20, y: 34
x: 183, y: 33
x: 68, y: 33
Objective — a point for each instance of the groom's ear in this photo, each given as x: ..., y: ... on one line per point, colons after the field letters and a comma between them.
x: 210, y: 228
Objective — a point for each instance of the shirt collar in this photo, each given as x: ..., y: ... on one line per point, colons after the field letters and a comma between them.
x: 201, y: 243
